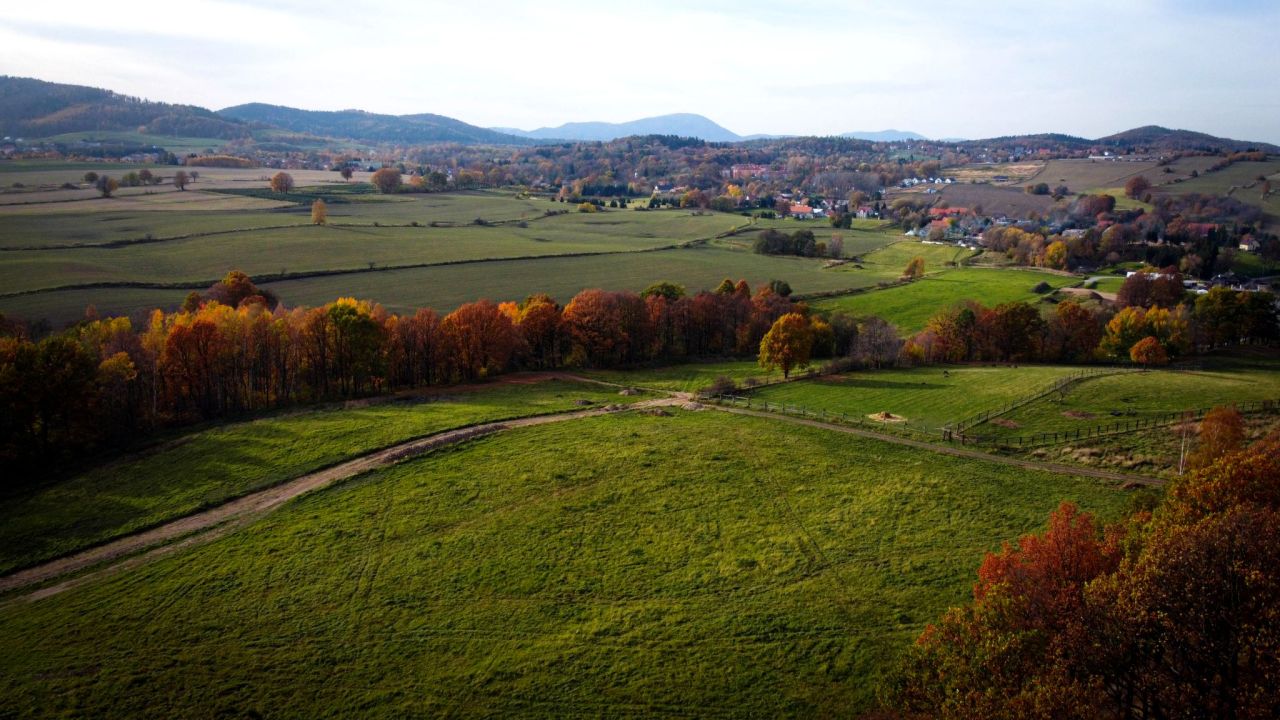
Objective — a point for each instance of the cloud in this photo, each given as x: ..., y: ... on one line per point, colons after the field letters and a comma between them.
x: 941, y: 68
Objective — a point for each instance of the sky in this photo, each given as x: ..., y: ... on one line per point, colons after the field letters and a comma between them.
x: 943, y: 69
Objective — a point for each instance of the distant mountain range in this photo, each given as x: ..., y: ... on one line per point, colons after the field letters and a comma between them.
x: 370, y: 127
x: 884, y: 135
x: 35, y: 108
x: 681, y: 124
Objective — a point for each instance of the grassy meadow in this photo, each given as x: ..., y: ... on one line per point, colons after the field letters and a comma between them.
x: 927, y: 397
x: 697, y: 564
x: 205, y: 468
x: 690, y: 377
x: 910, y: 306
x: 1227, y: 379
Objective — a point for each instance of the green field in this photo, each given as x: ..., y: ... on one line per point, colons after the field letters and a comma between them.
x: 910, y: 306
x: 927, y: 397
x: 206, y: 468
x: 701, y: 564
x: 169, y: 142
x: 1141, y: 396
x: 691, y: 377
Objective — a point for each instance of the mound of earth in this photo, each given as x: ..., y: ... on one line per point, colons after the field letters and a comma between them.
x: 885, y: 416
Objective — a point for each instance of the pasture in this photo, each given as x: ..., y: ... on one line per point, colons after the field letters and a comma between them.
x: 910, y: 306
x: 927, y: 397
x: 1225, y: 379
x: 202, y: 468
x: 690, y: 377
x: 697, y: 564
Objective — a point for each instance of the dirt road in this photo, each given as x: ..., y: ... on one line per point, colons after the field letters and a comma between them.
x: 205, y: 526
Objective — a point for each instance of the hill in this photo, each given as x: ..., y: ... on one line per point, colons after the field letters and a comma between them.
x: 35, y: 108
x: 884, y: 135
x: 370, y: 127
x: 680, y: 124
x: 1166, y: 139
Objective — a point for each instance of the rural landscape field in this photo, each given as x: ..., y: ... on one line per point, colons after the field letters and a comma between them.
x: 309, y: 412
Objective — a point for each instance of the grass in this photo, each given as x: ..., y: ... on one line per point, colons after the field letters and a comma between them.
x: 690, y: 377
x: 910, y: 306
x: 209, y: 467
x: 928, y: 397
x: 700, y: 564
x: 1140, y: 396
x: 173, y: 144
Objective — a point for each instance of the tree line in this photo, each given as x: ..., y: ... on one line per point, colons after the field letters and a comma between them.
x: 234, y: 349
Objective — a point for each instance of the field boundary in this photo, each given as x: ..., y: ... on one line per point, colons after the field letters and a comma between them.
x: 1115, y: 428
x: 958, y: 427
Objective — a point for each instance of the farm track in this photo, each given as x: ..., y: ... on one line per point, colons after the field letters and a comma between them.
x: 1057, y: 468
x: 147, y: 546
x: 210, y: 524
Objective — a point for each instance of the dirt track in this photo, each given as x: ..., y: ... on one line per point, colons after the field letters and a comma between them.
x: 204, y: 526
x: 954, y: 451
x: 144, y: 547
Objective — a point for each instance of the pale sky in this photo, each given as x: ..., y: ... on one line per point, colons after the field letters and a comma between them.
x: 943, y: 69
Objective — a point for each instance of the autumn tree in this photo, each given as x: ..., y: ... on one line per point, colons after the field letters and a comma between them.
x: 387, y: 180
x: 181, y: 179
x: 91, y: 177
x: 1221, y: 431
x: 319, y: 212
x: 1148, y: 352
x: 346, y: 172
x: 106, y: 185
x: 481, y: 339
x: 1055, y: 255
x: 1137, y: 186
x: 281, y: 182
x: 914, y: 269
x: 788, y: 344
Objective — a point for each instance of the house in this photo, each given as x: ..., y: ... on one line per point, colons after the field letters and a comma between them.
x: 802, y: 212
x: 1248, y: 244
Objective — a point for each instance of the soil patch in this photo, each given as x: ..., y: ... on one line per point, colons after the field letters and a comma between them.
x: 1078, y: 415
x: 885, y: 416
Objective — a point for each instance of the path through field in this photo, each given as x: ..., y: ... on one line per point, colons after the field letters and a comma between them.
x: 144, y: 547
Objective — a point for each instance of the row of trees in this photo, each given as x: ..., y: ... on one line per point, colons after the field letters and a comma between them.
x: 1074, y: 332
x: 1166, y: 614
x: 234, y: 350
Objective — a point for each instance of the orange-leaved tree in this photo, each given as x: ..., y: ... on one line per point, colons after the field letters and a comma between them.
x: 281, y: 182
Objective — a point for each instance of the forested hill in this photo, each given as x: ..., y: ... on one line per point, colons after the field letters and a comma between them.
x: 1166, y: 139
x: 371, y: 127
x: 34, y: 108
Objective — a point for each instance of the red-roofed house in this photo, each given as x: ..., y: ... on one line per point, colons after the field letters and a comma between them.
x: 803, y: 212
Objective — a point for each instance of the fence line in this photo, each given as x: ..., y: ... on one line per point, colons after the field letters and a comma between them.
x: 958, y: 428
x: 1118, y: 427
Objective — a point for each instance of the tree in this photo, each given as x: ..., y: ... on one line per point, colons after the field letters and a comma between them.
x: 386, y: 180
x: 1055, y: 255
x: 91, y: 177
x: 346, y: 172
x: 180, y: 180
x: 145, y: 176
x: 319, y: 212
x: 788, y: 344
x: 915, y: 269
x: 106, y: 185
x: 877, y: 343
x: 480, y: 338
x: 1221, y: 432
x: 281, y: 182
x: 1148, y: 352
x: 835, y: 247
x: 668, y: 290
x: 1137, y: 186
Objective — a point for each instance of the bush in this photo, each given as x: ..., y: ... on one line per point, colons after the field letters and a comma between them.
x: 1041, y: 288
x: 721, y: 385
